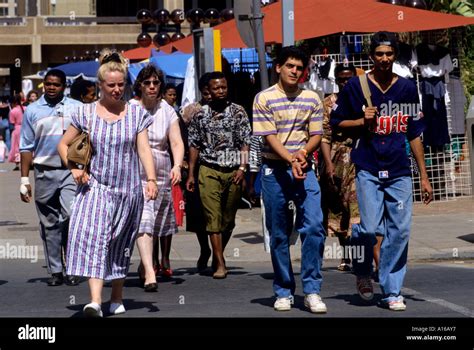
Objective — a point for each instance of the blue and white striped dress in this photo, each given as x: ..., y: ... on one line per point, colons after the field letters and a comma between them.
x: 106, y: 213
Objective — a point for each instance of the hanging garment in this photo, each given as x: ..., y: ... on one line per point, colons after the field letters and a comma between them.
x: 457, y: 99
x: 433, y: 60
x: 322, y: 77
x: 434, y: 109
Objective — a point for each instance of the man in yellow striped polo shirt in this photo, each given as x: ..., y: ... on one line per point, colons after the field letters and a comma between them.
x: 290, y: 120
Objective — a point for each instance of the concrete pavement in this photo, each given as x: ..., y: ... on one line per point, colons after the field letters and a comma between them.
x: 443, y: 230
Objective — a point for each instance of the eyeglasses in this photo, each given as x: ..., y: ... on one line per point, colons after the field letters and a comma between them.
x: 149, y: 82
x: 52, y: 84
x: 382, y: 53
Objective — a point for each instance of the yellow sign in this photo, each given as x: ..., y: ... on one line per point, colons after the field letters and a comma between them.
x: 217, y: 51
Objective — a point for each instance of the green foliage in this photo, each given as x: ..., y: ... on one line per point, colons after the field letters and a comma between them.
x: 460, y: 7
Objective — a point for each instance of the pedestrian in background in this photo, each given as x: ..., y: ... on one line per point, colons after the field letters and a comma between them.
x: 194, y: 210
x: 44, y: 122
x: 31, y: 97
x: 16, y: 118
x: 83, y: 90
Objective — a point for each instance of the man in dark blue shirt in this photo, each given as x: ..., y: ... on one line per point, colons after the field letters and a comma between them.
x: 384, y: 189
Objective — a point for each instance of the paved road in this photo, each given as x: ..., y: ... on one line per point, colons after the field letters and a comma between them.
x: 438, y: 286
x: 247, y: 292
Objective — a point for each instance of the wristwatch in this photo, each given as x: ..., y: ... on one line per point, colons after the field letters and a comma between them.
x: 243, y: 168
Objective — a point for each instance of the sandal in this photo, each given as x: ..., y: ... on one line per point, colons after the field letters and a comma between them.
x: 344, y: 267
x: 167, y: 272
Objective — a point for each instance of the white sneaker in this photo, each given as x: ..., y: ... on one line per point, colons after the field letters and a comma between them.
x: 283, y: 304
x: 117, y: 308
x: 315, y: 304
x: 92, y: 310
x: 397, y: 305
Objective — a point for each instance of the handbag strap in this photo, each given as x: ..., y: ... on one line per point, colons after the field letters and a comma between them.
x: 87, y: 110
x: 365, y: 89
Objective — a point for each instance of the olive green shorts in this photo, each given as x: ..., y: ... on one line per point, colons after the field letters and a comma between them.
x: 220, y: 199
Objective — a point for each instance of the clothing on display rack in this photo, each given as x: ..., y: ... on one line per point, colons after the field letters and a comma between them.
x: 434, y: 109
x: 403, y: 66
x: 457, y: 100
x: 322, y: 76
x: 434, y: 62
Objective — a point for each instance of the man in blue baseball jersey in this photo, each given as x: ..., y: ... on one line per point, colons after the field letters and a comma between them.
x: 383, y: 114
x: 44, y: 123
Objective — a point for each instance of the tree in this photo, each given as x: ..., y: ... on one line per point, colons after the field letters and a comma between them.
x: 459, y: 7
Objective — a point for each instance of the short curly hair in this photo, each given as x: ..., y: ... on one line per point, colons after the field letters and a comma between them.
x: 147, y: 72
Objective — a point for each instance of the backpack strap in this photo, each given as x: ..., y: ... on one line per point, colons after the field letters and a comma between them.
x: 365, y: 89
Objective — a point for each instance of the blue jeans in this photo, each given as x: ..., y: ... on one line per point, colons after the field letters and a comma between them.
x: 383, y: 203
x: 278, y: 189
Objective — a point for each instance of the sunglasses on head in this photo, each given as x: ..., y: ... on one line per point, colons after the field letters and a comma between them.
x: 53, y: 84
x: 149, y: 82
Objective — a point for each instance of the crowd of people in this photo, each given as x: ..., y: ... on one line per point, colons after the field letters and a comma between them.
x: 343, y: 154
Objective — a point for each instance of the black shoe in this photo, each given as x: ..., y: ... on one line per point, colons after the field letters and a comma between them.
x: 202, y: 261
x: 56, y: 279
x: 72, y: 280
x: 151, y: 287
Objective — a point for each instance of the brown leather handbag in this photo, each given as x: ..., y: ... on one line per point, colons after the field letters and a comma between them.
x: 80, y: 149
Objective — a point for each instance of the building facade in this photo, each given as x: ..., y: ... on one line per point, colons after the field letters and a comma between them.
x: 36, y: 34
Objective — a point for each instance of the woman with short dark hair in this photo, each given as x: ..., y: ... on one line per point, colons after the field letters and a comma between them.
x: 158, y: 221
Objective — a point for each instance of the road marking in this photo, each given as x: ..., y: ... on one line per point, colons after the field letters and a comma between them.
x: 457, y: 308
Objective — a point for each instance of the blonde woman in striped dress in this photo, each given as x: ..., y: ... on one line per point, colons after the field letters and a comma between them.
x: 108, y: 205
x: 158, y: 220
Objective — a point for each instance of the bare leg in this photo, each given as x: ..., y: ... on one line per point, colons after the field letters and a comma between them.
x: 218, y: 257
x: 377, y: 252
x: 145, y: 248
x: 95, y: 286
x: 377, y: 257
x: 117, y: 289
